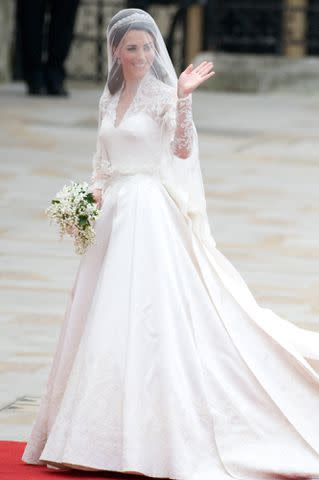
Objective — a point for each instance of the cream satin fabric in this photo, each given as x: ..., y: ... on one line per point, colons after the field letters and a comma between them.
x: 166, y: 365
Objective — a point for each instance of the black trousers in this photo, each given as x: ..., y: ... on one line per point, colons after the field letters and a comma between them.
x: 31, y: 17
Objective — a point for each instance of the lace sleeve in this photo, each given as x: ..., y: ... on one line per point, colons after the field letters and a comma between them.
x: 178, y: 120
x: 101, y: 164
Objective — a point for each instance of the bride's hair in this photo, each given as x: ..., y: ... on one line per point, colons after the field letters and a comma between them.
x: 115, y: 77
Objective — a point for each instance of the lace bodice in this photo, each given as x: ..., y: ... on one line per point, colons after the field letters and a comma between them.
x: 134, y: 145
x: 156, y: 123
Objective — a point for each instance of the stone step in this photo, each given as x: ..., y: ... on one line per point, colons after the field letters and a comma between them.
x: 261, y: 73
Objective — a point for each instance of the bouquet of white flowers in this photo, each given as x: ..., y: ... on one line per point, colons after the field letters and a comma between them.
x: 75, y: 211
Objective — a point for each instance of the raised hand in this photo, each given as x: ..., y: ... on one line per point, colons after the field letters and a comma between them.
x: 192, y: 77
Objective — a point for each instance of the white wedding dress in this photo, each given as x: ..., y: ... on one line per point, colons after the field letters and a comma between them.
x: 165, y: 364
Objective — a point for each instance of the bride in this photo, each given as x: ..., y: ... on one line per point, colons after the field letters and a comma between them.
x: 166, y: 365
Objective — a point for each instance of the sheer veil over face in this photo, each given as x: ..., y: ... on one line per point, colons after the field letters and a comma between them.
x: 134, y: 43
x: 137, y: 56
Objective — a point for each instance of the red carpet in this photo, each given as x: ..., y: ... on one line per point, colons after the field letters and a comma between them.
x: 13, y: 468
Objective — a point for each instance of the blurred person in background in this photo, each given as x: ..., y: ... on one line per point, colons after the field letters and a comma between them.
x: 43, y: 62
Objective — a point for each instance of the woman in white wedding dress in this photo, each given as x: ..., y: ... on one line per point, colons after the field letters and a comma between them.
x: 165, y: 364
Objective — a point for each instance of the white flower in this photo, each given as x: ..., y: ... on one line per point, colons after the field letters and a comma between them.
x: 74, y: 211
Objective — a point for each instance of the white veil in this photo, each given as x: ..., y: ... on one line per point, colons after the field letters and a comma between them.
x: 158, y: 93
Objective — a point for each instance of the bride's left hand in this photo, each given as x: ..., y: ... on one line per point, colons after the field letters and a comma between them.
x: 192, y: 77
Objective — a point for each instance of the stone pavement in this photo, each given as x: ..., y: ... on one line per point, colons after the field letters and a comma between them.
x: 260, y: 162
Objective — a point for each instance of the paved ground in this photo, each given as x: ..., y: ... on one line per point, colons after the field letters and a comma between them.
x: 260, y: 161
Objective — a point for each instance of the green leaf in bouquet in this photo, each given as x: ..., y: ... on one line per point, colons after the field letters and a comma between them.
x: 83, y: 221
x: 55, y: 201
x: 89, y: 197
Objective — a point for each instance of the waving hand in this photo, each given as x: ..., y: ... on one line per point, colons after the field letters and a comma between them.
x: 192, y: 77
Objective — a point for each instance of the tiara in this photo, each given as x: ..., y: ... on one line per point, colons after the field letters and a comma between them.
x: 135, y: 17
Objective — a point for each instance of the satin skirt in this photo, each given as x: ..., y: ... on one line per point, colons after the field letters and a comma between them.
x: 167, y: 366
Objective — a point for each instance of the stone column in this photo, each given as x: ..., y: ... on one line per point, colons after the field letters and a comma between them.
x: 194, y: 32
x: 295, y: 28
x: 6, y: 33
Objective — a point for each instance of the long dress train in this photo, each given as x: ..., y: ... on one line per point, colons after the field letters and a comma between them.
x: 165, y: 363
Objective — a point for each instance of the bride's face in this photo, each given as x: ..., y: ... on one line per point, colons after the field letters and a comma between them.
x: 136, y: 54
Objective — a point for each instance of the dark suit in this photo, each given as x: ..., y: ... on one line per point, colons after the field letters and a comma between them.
x: 56, y: 41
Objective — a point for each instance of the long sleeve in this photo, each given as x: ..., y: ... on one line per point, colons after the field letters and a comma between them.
x: 101, y: 165
x: 179, y: 122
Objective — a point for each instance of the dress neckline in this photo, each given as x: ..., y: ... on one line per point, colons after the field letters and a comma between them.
x: 117, y: 97
x: 117, y: 101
